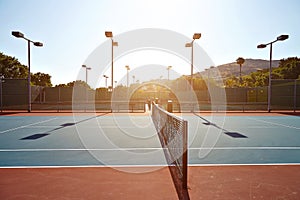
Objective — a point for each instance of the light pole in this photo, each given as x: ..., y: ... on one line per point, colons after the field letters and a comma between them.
x: 133, y: 78
x: 86, y: 81
x: 191, y: 44
x: 109, y: 34
x: 86, y: 73
x: 106, y: 77
x: 208, y: 75
x: 260, y: 46
x: 168, y: 68
x: 127, y: 68
x: 38, y: 44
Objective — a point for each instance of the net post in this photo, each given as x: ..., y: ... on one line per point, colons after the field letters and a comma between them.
x: 185, y: 156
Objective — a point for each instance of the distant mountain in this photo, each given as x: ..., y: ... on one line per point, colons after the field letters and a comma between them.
x: 233, y: 69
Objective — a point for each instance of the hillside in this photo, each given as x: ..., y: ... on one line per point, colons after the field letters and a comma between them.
x: 249, y: 66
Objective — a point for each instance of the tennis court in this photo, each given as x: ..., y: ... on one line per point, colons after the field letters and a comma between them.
x: 236, y: 156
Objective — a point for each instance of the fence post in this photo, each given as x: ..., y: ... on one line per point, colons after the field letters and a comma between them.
x: 1, y: 104
x: 40, y: 94
x: 58, y: 99
x: 295, y: 95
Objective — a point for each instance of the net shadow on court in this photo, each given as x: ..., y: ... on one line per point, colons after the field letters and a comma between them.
x: 62, y: 126
x: 229, y: 133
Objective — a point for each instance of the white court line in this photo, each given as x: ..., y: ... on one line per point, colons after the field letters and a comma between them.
x: 153, y: 148
x: 24, y: 126
x: 37, y: 127
x: 274, y: 123
x: 140, y: 166
x: 120, y: 127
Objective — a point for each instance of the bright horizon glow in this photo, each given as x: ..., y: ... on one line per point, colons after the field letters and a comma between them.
x: 71, y: 30
x: 149, y: 57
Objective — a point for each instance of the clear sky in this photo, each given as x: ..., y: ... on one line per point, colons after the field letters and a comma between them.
x: 72, y: 29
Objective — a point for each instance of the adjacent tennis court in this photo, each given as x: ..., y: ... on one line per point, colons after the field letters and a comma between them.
x: 255, y: 144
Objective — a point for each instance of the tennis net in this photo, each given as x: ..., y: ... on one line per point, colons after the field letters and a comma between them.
x: 172, y: 132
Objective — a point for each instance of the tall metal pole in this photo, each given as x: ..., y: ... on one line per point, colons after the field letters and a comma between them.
x: 168, y: 68
x: 270, y: 78
x: 29, y: 77
x: 127, y: 77
x: 86, y: 75
x: 208, y: 78
x: 192, y: 63
x: 112, y: 64
x: 260, y: 46
x: 38, y: 44
x: 240, y: 74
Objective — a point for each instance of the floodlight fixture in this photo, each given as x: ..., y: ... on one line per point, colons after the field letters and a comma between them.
x: 17, y: 34
x: 196, y: 36
x: 282, y: 37
x: 261, y: 46
x: 108, y: 34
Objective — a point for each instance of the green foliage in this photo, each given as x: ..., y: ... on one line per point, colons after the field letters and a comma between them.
x: 288, y: 69
x: 79, y: 83
x: 232, y: 82
x: 10, y: 67
x: 41, y: 79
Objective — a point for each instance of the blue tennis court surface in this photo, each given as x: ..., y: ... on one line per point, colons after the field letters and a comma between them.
x: 125, y: 140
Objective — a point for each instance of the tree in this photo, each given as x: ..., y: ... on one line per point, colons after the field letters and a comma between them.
x: 73, y: 83
x: 10, y: 67
x: 240, y: 61
x: 41, y: 79
x: 288, y: 69
x: 231, y: 82
x: 61, y: 85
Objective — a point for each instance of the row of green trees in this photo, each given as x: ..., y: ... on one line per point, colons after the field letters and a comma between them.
x: 288, y: 69
x: 10, y: 67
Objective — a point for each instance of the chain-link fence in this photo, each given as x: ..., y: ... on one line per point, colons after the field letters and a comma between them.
x: 285, y: 95
x: 13, y: 94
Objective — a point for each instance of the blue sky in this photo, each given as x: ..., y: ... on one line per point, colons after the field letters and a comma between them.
x: 72, y: 29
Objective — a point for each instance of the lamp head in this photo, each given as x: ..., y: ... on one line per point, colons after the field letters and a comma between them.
x: 188, y: 44
x: 17, y: 34
x: 38, y: 44
x: 282, y: 37
x: 108, y: 34
x: 196, y: 36
x: 261, y: 46
x: 115, y: 44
